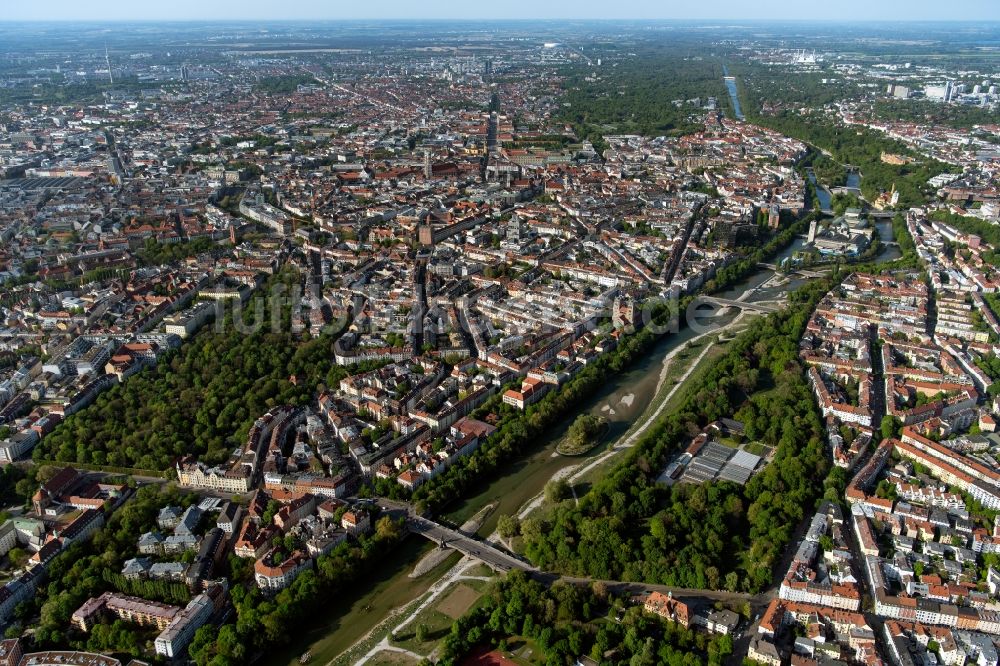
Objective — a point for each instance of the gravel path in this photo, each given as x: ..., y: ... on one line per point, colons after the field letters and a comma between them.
x: 455, y: 574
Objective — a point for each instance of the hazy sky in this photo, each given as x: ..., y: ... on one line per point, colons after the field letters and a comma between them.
x: 965, y: 10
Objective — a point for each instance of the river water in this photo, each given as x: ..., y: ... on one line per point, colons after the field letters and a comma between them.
x: 622, y: 401
x: 822, y: 194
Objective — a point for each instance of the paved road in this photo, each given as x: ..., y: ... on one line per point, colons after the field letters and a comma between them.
x: 636, y: 588
x: 488, y: 554
x: 800, y: 271
x: 745, y: 305
x: 419, y: 308
x: 670, y: 270
x: 877, y: 391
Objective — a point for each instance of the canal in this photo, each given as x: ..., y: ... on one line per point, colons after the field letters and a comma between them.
x: 733, y: 93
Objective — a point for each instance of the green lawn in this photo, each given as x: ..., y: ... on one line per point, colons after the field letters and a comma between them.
x: 392, y: 659
x: 458, y: 599
x: 523, y: 650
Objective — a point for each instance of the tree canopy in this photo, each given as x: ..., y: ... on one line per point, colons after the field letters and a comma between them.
x: 201, y: 399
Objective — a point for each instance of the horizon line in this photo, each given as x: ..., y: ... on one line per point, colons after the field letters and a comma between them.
x: 495, y: 18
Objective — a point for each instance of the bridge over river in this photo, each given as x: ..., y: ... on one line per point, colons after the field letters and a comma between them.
x: 759, y: 306
x: 500, y: 560
x: 801, y: 271
x: 487, y: 553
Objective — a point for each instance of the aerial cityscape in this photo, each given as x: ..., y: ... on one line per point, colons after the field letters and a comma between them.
x: 497, y: 339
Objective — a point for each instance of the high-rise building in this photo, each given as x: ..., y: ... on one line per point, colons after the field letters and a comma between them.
x: 899, y: 92
x: 942, y: 93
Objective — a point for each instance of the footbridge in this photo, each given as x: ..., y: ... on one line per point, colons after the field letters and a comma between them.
x: 500, y: 560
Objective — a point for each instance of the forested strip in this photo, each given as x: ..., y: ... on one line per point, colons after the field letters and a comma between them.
x: 567, y: 622
x: 519, y: 431
x: 201, y: 399
x: 716, y: 534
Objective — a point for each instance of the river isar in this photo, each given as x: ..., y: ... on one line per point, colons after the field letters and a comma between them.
x: 822, y: 194
x: 623, y: 401
x: 883, y: 226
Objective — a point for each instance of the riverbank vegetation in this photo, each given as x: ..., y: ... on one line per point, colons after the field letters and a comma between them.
x: 862, y: 148
x: 828, y: 171
x: 564, y: 622
x: 585, y: 433
x: 687, y: 534
x: 772, y: 100
x: 517, y: 431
